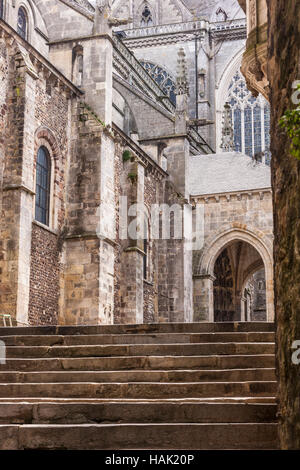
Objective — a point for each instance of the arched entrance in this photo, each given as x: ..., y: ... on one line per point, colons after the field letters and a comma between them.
x: 240, y: 284
x: 233, y: 279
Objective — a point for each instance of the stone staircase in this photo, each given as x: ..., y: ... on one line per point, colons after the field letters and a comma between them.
x: 167, y: 386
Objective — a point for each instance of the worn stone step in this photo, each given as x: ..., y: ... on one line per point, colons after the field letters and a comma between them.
x: 225, y: 375
x: 141, y: 363
x: 143, y: 412
x: 159, y: 338
x: 257, y: 399
x: 140, y: 350
x: 247, y: 436
x: 146, y: 329
x: 138, y: 390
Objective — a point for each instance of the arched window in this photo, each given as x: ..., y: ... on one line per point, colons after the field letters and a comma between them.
x: 162, y: 78
x: 43, y: 175
x: 1, y: 8
x: 221, y: 14
x: 147, y: 18
x: 250, y: 119
x: 22, y: 23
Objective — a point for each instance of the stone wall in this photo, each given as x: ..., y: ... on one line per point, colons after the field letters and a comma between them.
x: 44, y: 277
x: 284, y: 68
x: 37, y: 100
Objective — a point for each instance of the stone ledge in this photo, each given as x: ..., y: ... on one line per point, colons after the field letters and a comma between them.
x: 45, y: 227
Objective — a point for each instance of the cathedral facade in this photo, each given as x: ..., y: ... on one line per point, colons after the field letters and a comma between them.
x: 134, y: 165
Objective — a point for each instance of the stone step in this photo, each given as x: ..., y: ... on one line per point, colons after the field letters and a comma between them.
x: 140, y: 350
x: 247, y: 436
x: 138, y: 390
x: 145, y: 329
x: 225, y: 375
x: 264, y: 399
x: 143, y: 412
x: 140, y: 363
x: 159, y: 338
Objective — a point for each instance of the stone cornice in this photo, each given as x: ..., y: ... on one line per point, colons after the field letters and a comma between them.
x: 18, y: 187
x: 259, y: 193
x: 78, y: 39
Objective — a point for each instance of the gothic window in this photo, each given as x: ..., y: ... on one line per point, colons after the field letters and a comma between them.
x: 250, y: 118
x: 146, y: 247
x: 162, y: 78
x: 1, y: 8
x: 147, y: 18
x: 42, y: 197
x: 145, y: 259
x: 22, y: 23
x: 221, y: 15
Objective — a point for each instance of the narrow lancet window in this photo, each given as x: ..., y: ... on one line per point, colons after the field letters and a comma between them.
x: 42, y: 197
x: 22, y: 23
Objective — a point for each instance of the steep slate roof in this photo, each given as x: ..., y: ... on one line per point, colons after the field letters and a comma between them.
x: 227, y: 172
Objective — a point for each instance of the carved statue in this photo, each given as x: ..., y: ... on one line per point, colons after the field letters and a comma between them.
x: 103, y: 20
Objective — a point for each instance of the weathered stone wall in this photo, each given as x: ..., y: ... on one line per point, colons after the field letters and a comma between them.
x: 88, y: 251
x: 50, y: 126
x: 152, y: 190
x: 44, y: 277
x: 6, y: 293
x: 37, y: 102
x: 4, y: 74
x: 284, y: 68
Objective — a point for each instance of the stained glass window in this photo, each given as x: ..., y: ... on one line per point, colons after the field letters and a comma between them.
x: 146, y: 19
x: 237, y: 119
x: 42, y: 197
x: 1, y: 8
x: 248, y: 131
x: 22, y: 23
x: 162, y: 78
x: 251, y: 119
x: 257, y: 129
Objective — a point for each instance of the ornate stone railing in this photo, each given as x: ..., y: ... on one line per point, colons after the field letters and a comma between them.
x: 167, y: 29
x: 228, y: 25
x: 129, y: 68
x: 187, y: 27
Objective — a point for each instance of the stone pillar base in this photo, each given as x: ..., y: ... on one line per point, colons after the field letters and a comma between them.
x: 204, y: 298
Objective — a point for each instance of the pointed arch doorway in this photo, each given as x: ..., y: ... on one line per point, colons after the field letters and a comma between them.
x: 235, y: 273
x: 240, y: 284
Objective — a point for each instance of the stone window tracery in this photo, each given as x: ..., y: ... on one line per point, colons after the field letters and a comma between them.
x: 43, y: 175
x: 162, y: 78
x: 22, y: 23
x: 250, y: 119
x: 147, y: 17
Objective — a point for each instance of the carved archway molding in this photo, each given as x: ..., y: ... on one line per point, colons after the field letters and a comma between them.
x: 238, y: 232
